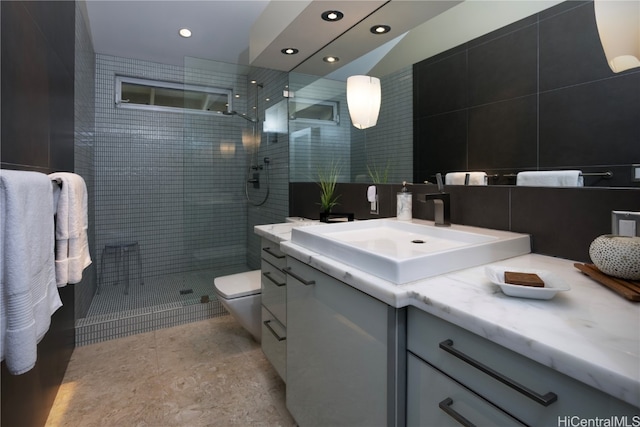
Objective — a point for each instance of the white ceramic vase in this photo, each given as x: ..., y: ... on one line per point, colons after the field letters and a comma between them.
x: 617, y: 256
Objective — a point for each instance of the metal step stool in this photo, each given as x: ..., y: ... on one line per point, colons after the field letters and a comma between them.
x: 122, y: 253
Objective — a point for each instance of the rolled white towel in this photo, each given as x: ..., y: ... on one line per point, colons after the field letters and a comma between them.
x: 562, y: 178
x: 458, y: 178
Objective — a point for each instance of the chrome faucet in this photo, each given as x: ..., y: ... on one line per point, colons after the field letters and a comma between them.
x: 441, y: 205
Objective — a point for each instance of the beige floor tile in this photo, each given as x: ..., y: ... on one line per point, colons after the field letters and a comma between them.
x: 208, y: 373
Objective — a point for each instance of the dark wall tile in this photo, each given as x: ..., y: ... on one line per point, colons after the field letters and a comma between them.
x: 591, y: 124
x: 56, y: 22
x: 504, y: 68
x: 570, y: 49
x: 38, y: 43
x: 440, y: 145
x: 503, y: 135
x: 304, y: 200
x: 504, y: 31
x: 564, y: 221
x: 61, y: 112
x: 26, y: 120
x: 585, y: 116
x: 441, y: 86
x: 486, y: 206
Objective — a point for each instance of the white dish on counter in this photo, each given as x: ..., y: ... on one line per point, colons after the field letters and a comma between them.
x: 552, y: 283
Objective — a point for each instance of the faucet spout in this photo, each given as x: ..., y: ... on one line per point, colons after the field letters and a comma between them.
x: 442, y: 209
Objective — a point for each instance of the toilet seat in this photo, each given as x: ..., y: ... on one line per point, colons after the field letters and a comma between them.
x: 238, y: 285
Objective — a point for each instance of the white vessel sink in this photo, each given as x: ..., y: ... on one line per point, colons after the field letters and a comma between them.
x: 402, y: 252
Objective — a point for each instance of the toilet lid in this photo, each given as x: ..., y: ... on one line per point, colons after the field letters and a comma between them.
x: 238, y: 285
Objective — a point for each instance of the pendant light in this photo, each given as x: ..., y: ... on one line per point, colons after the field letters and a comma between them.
x: 618, y: 24
x: 363, y: 100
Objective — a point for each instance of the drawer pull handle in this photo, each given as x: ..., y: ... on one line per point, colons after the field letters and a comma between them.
x: 267, y: 274
x: 544, y: 400
x: 298, y: 278
x: 270, y: 252
x: 446, y: 404
x: 275, y: 334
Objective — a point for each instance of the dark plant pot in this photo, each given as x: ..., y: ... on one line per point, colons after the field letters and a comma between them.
x: 331, y: 217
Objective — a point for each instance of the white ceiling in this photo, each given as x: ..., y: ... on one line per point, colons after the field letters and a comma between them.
x: 252, y: 32
x: 148, y: 29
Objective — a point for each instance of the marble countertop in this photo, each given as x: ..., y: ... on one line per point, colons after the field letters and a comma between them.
x: 588, y: 333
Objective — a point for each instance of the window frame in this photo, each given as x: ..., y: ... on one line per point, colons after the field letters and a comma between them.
x: 120, y: 103
x: 335, y: 106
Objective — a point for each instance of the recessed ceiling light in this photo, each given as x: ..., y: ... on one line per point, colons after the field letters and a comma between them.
x: 185, y: 32
x: 290, y: 51
x: 380, y: 29
x: 331, y: 59
x: 332, y: 15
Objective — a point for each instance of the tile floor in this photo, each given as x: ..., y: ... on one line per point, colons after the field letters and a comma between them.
x: 207, y: 373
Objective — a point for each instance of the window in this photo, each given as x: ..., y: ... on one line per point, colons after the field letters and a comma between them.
x: 309, y: 109
x: 166, y: 96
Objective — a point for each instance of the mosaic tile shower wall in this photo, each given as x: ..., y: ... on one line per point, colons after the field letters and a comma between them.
x: 175, y: 184
x: 161, y: 178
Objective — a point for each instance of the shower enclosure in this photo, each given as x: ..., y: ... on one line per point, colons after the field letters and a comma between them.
x: 187, y: 187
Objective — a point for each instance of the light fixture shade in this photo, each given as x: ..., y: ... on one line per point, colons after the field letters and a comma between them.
x: 619, y: 29
x: 363, y: 100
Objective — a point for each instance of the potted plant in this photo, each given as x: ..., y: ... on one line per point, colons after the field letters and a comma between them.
x: 327, y: 179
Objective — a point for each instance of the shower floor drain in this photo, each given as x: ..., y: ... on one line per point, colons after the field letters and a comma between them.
x: 186, y: 291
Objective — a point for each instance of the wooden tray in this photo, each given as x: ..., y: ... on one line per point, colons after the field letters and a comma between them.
x: 629, y: 289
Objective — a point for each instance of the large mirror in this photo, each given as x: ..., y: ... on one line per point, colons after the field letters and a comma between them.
x: 493, y: 86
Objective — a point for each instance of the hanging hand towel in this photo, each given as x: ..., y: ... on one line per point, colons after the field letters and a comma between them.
x: 72, y: 245
x: 29, y: 295
x: 563, y: 178
x: 458, y: 178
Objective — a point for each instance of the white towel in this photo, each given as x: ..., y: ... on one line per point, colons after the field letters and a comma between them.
x: 27, y: 273
x: 72, y: 244
x: 563, y: 178
x: 457, y: 178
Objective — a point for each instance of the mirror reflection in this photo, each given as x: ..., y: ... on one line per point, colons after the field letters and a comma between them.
x: 536, y: 95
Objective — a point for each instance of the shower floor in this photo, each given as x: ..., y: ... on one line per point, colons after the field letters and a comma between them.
x: 161, y: 302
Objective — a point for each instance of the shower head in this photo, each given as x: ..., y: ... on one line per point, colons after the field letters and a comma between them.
x: 235, y: 113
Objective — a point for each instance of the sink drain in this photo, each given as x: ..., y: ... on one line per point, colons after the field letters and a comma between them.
x: 418, y: 241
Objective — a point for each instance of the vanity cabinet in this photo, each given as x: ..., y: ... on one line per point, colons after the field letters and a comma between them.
x: 274, y: 302
x: 446, y: 363
x: 341, y: 353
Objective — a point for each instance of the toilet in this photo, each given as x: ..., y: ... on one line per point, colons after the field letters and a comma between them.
x: 240, y: 295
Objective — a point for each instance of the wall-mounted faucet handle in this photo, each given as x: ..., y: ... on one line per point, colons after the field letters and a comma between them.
x: 441, y: 208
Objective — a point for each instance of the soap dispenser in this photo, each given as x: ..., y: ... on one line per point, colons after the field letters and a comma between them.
x: 403, y: 206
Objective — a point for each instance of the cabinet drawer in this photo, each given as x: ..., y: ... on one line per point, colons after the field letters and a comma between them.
x: 518, y: 385
x: 271, y: 252
x: 274, y: 342
x: 433, y: 399
x: 274, y: 291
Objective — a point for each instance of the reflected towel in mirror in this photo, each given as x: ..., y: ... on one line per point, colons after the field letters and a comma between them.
x: 458, y: 178
x: 563, y: 178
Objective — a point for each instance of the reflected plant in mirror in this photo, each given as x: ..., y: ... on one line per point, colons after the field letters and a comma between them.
x: 378, y: 174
